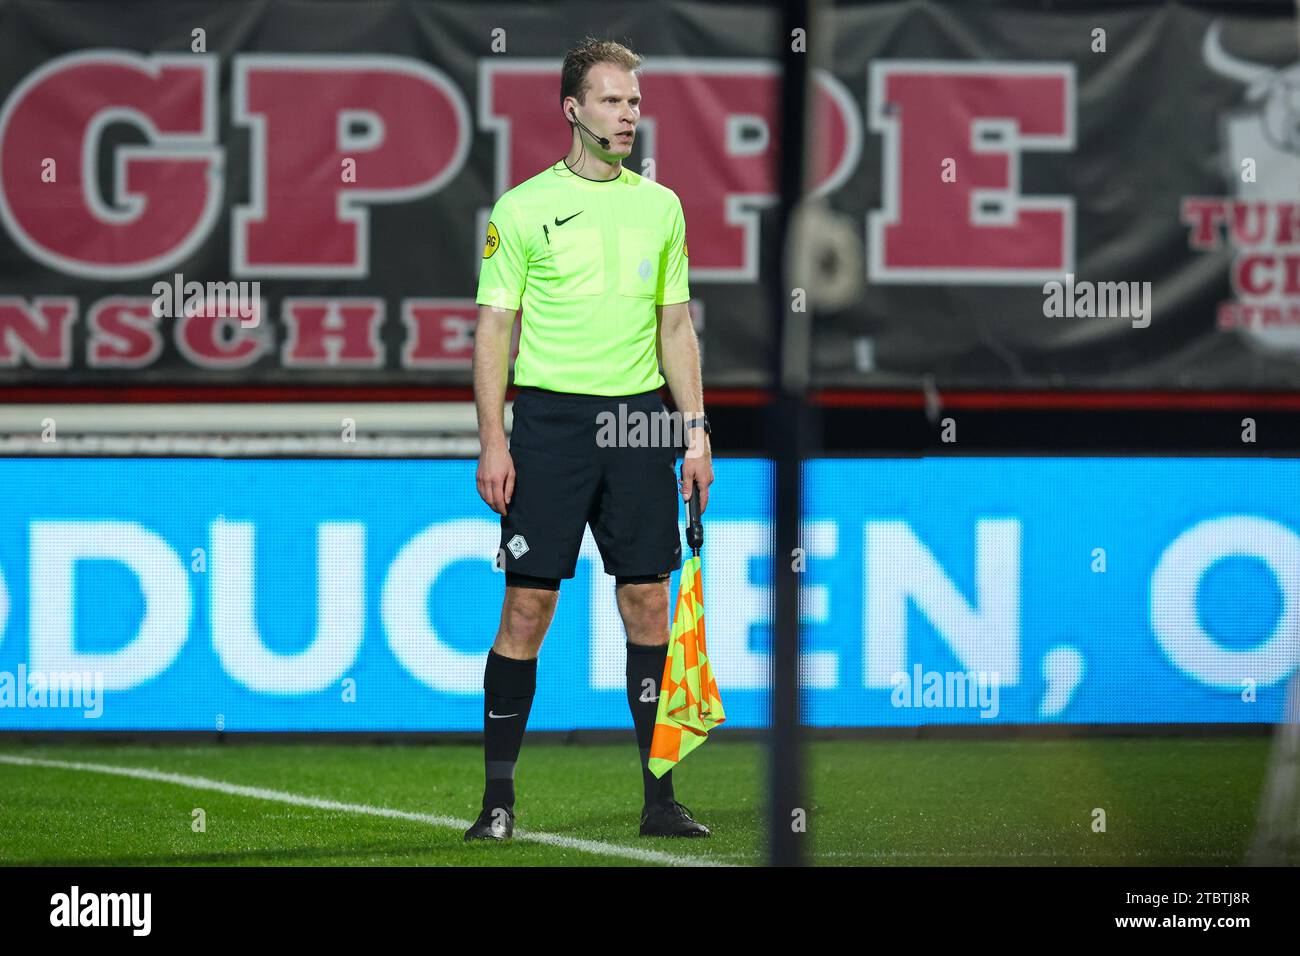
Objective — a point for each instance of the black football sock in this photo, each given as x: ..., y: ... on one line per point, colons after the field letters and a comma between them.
x: 645, y: 670
x: 508, y: 687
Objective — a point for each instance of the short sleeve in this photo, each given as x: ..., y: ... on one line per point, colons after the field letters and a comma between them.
x: 504, y: 268
x: 673, y: 265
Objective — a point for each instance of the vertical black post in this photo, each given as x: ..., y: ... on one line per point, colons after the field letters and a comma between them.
x: 788, y: 368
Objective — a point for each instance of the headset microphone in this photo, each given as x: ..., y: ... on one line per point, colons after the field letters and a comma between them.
x: 604, y: 143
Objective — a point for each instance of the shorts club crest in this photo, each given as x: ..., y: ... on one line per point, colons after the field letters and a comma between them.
x: 518, y: 546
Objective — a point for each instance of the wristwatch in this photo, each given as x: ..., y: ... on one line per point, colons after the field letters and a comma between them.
x: 701, y: 422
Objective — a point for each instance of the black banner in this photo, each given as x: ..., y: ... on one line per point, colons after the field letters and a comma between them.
x: 1015, y: 196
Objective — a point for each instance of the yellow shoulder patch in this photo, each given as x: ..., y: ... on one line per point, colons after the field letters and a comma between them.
x: 493, y: 242
x: 684, y: 252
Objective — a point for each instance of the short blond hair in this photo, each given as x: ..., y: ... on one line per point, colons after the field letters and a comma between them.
x: 587, y: 53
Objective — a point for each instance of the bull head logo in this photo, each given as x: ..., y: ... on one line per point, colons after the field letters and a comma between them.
x: 1269, y: 132
x: 1279, y: 89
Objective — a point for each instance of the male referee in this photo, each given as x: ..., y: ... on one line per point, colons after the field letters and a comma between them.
x: 596, y: 256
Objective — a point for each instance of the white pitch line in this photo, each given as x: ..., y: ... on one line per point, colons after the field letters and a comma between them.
x: 279, y: 796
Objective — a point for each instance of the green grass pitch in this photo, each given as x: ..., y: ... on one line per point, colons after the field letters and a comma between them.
x: 1167, y: 801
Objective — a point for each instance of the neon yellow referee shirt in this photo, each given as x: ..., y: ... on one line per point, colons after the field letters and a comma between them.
x: 588, y: 261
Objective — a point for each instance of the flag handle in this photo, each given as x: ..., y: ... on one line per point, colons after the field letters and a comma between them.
x: 694, y: 529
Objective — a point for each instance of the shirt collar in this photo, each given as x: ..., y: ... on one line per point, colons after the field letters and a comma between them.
x: 563, y: 171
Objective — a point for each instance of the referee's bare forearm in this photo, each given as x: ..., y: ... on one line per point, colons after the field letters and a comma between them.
x: 679, y: 351
x: 491, y: 371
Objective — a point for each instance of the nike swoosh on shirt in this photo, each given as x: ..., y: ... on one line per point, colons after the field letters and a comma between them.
x: 498, y: 716
x: 561, y: 222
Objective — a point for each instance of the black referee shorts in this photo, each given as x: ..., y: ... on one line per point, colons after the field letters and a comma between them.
x: 569, y: 475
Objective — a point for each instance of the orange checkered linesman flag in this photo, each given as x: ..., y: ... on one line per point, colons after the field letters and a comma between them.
x: 689, y: 705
